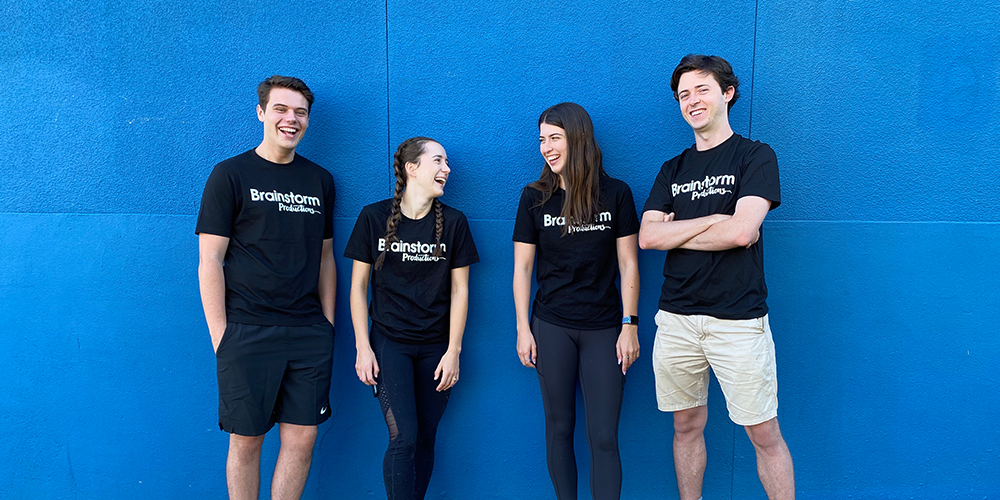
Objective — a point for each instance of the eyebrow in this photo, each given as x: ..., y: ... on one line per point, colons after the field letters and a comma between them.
x: 700, y: 85
x: 274, y: 105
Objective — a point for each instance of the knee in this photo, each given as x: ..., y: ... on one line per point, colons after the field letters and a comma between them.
x: 690, y: 422
x: 426, y: 435
x: 403, y: 446
x: 605, y: 441
x: 404, y: 441
x: 298, y: 438
x: 245, y: 447
x: 561, y: 428
x: 766, y: 434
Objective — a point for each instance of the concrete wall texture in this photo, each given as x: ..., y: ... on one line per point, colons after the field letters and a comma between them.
x: 881, y: 259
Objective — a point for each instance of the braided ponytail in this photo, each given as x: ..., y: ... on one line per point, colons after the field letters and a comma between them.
x: 438, y: 227
x: 392, y: 223
x: 407, y: 152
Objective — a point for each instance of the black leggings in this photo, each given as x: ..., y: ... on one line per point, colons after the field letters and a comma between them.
x: 563, y: 353
x: 412, y: 409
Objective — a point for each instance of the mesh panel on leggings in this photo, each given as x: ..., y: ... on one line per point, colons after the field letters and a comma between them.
x: 390, y: 420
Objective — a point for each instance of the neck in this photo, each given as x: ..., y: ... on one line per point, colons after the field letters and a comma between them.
x: 562, y: 181
x: 275, y: 155
x: 708, y: 139
x: 415, y: 205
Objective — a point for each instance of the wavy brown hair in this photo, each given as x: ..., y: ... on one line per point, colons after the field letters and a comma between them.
x: 583, y: 169
x: 409, y: 152
x: 285, y: 82
x: 719, y: 68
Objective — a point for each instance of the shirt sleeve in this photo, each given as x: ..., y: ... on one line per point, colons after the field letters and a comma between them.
x: 218, y: 204
x: 760, y: 175
x: 525, y: 230
x: 660, y: 198
x: 359, y: 245
x: 627, y: 218
x: 464, y: 252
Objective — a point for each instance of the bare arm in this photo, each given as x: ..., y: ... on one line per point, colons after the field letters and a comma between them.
x: 327, y: 280
x: 659, y: 230
x: 524, y: 261
x: 212, y: 282
x: 447, y: 370
x: 365, y: 364
x: 740, y: 230
x: 628, y: 268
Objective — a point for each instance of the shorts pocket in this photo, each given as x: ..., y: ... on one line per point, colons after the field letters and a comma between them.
x: 225, y: 335
x: 753, y: 326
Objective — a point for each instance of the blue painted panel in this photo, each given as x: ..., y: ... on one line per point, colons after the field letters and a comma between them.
x: 478, y: 76
x: 125, y: 108
x: 886, y: 336
x: 864, y: 104
x: 105, y: 396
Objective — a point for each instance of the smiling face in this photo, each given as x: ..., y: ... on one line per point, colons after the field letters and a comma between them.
x: 553, y: 146
x: 285, y: 120
x: 430, y: 172
x: 703, y: 103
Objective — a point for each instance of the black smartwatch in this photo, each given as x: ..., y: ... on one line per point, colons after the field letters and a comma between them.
x: 630, y: 320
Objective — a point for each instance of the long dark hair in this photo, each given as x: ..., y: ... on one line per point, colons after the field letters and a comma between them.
x: 583, y: 169
x: 409, y: 152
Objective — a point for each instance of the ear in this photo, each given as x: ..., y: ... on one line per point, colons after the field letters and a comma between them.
x: 728, y: 94
x: 411, y: 169
x: 260, y: 113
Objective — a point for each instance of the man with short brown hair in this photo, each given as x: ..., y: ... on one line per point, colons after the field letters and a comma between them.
x: 706, y: 208
x: 267, y: 276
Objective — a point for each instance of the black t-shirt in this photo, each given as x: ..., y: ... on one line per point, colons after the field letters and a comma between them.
x: 728, y: 284
x: 576, y: 272
x: 411, y: 294
x: 276, y: 217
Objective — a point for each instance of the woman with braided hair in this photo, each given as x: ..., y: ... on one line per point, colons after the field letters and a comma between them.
x: 582, y: 225
x: 415, y: 252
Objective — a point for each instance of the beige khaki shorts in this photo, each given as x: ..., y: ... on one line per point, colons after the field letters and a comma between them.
x: 740, y: 352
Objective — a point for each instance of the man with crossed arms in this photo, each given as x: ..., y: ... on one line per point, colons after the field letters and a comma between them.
x: 706, y: 208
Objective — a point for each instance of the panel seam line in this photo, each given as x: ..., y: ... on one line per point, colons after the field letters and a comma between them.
x: 753, y: 69
x: 388, y: 123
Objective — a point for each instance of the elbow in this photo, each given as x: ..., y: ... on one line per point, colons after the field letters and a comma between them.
x: 206, y: 264
x: 741, y: 241
x: 359, y: 292
x: 459, y: 297
x: 459, y: 290
x: 744, y: 238
x: 648, y: 242
x: 645, y: 242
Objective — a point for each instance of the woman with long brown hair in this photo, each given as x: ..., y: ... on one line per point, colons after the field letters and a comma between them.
x: 581, y: 225
x: 418, y: 266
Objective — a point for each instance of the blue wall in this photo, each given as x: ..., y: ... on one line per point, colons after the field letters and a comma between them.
x: 880, y: 259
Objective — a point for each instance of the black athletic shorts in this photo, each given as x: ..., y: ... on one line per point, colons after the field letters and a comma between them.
x: 271, y: 374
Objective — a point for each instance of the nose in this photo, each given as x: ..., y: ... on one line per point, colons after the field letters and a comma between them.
x: 445, y: 168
